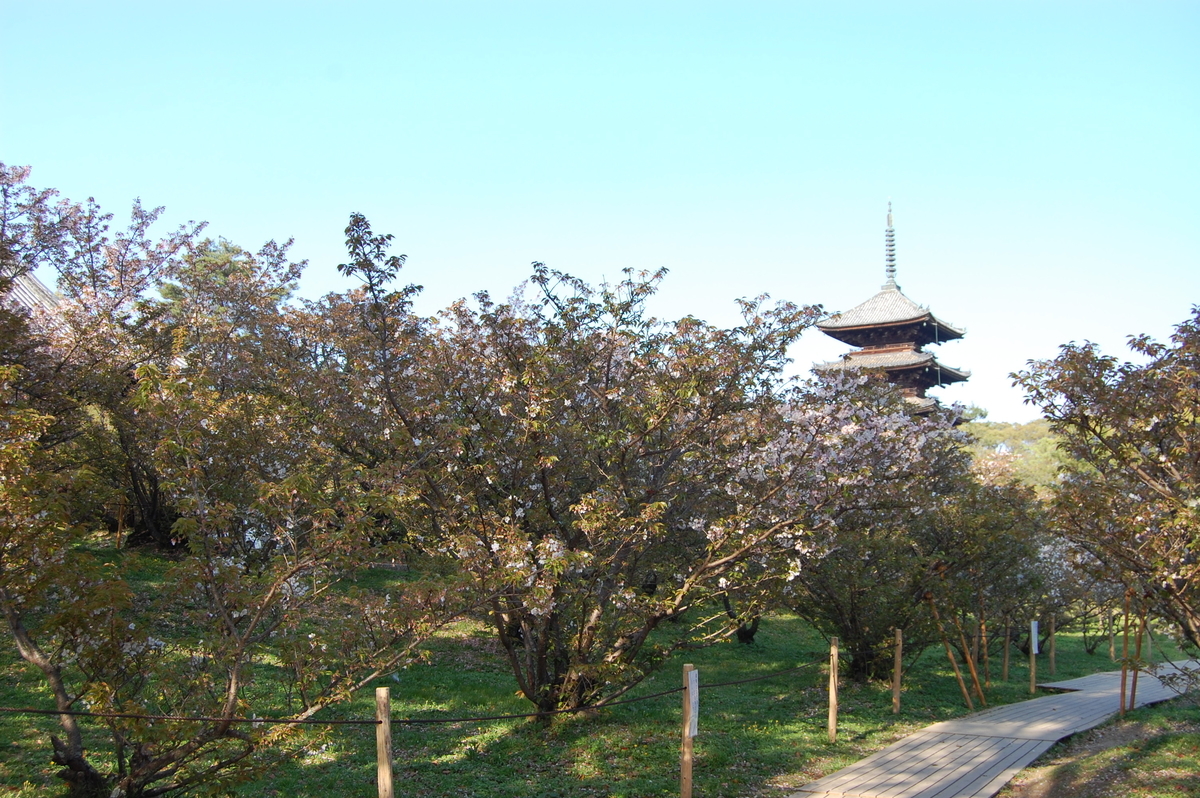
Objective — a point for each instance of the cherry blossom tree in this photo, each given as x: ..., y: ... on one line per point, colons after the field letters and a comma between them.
x: 1133, y: 425
x: 589, y: 466
x: 191, y: 348
x: 881, y: 478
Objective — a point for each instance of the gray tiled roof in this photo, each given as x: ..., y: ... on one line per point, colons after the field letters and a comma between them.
x: 923, y: 403
x: 895, y: 359
x: 874, y: 360
x: 889, y: 306
x: 30, y: 293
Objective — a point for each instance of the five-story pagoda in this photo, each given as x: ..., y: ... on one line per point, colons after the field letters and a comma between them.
x: 891, y: 331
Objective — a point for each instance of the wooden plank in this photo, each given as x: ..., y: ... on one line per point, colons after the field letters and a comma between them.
x: 1004, y: 775
x: 1050, y: 717
x: 974, y: 757
x: 933, y: 777
x: 1101, y: 681
x: 947, y: 777
x: 963, y: 780
x: 917, y: 772
x: 912, y: 748
x: 917, y: 745
x: 977, y: 782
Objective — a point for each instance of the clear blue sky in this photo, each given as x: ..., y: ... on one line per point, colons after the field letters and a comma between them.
x: 1042, y: 156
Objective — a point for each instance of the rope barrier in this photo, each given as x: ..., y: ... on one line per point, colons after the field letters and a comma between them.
x: 759, y: 678
x: 401, y: 721
x: 131, y: 716
x: 588, y: 708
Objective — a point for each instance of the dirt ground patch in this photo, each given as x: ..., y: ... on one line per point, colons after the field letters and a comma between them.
x: 1125, y: 758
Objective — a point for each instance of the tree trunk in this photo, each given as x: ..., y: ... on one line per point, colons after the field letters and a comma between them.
x: 745, y: 631
x: 84, y: 780
x: 1007, y: 649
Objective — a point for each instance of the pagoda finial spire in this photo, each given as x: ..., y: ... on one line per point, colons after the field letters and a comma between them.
x: 889, y: 256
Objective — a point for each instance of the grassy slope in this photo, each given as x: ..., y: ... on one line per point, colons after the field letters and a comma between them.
x: 1153, y: 752
x: 754, y: 738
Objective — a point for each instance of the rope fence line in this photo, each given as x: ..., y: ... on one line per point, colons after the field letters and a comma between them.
x: 199, y: 719
x: 399, y: 721
x: 760, y: 678
x: 589, y: 707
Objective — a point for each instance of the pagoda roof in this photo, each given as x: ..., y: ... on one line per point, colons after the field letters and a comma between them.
x: 922, y: 404
x: 890, y: 307
x: 28, y: 292
x: 895, y: 361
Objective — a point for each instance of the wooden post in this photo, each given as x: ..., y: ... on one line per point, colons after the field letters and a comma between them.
x: 1112, y: 637
x: 383, y: 741
x: 1051, y: 645
x: 987, y: 660
x: 1033, y: 649
x: 1125, y: 654
x: 1007, y: 646
x: 685, y: 749
x: 1137, y: 656
x: 975, y: 640
x: 897, y: 667
x: 950, y: 653
x: 962, y: 638
x: 833, y: 688
x: 120, y: 519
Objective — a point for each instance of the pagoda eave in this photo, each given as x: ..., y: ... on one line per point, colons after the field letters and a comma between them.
x: 921, y: 331
x: 926, y: 372
x: 26, y: 291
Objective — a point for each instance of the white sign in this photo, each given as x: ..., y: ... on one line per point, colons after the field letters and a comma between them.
x: 694, y: 698
x: 1033, y: 637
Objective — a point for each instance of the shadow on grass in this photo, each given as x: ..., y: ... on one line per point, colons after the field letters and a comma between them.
x: 1164, y: 766
x: 749, y: 733
x: 622, y: 758
x: 768, y: 732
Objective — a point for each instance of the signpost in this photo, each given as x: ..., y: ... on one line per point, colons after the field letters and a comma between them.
x: 896, y: 671
x: 383, y: 741
x: 1033, y: 652
x: 833, y: 688
x: 691, y: 714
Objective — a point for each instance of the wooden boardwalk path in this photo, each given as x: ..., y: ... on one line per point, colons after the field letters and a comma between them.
x: 975, y: 756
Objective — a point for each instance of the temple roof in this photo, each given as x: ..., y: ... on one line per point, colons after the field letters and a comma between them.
x: 922, y: 404
x: 892, y: 359
x: 28, y: 292
x: 898, y: 360
x: 890, y: 307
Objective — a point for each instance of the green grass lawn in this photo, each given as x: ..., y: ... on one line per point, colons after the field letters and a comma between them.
x: 755, y: 739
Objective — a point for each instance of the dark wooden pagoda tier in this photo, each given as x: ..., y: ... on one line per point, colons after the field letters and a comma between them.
x: 890, y: 331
